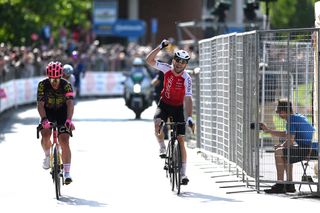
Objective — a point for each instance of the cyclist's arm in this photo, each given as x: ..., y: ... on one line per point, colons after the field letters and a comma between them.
x: 41, y: 110
x: 155, y: 82
x: 188, y: 105
x: 70, y: 108
x: 151, y: 57
x: 40, y: 100
x: 188, y: 96
x: 69, y: 100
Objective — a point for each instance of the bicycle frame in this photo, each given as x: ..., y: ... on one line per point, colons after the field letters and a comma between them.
x: 56, y: 165
x: 173, y: 161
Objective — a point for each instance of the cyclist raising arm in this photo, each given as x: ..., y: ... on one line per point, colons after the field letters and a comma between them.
x: 55, y: 104
x: 175, y: 95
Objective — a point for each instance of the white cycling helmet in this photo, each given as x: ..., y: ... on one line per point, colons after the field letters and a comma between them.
x: 67, y: 69
x: 182, y: 54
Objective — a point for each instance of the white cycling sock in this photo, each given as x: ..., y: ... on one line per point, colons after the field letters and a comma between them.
x: 183, y: 168
x: 162, y: 144
x: 47, y: 152
x: 66, y: 167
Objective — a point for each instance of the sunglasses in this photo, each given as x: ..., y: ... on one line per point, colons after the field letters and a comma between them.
x: 54, y: 80
x: 180, y: 60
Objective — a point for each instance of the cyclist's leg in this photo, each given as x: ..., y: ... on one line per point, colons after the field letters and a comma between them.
x: 160, y: 115
x: 183, y: 171
x: 45, y: 140
x: 66, y: 151
x: 66, y: 154
x: 46, y: 133
x: 64, y: 136
x: 181, y: 129
x: 46, y: 144
x: 183, y: 149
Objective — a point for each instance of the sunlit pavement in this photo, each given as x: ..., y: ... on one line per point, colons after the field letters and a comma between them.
x: 116, y: 168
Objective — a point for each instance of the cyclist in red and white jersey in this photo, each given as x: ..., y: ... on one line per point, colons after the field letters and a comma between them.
x: 175, y: 95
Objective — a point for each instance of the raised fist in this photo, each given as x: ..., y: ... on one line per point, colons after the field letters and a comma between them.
x: 164, y: 43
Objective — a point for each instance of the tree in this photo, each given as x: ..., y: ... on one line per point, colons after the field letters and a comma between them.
x: 20, y: 18
x: 292, y: 14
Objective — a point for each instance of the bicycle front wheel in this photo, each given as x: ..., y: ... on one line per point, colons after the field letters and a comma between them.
x: 177, y: 166
x: 170, y: 165
x: 56, y: 173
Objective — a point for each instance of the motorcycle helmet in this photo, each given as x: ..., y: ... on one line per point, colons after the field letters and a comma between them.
x: 54, y: 69
x: 67, y: 69
x: 137, y: 62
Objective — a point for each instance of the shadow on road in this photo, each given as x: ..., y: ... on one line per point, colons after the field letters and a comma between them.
x: 80, y: 202
x: 110, y: 120
x: 10, y: 117
x: 206, y: 198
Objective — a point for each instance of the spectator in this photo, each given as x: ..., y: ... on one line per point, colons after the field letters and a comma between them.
x: 46, y: 34
x: 296, y: 147
x: 79, y: 71
x: 63, y: 35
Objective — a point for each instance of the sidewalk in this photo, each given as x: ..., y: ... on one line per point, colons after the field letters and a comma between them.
x: 217, y: 184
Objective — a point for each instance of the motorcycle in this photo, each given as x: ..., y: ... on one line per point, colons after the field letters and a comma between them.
x: 138, y: 91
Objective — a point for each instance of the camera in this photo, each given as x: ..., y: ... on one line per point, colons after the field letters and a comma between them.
x: 252, y: 126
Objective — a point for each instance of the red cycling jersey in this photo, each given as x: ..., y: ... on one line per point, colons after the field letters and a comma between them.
x: 175, y: 87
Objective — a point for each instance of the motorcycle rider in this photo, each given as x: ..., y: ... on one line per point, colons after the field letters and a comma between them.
x: 138, y: 88
x: 138, y: 65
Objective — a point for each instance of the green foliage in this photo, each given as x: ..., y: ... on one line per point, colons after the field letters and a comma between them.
x: 20, y: 18
x: 292, y: 14
x: 303, y: 95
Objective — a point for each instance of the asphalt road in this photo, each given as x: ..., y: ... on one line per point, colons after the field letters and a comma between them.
x: 116, y: 168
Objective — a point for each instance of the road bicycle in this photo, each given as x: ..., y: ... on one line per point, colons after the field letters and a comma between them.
x: 173, y: 159
x: 56, y: 164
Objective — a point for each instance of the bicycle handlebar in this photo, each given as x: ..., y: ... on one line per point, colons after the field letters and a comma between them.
x: 52, y: 125
x: 169, y: 123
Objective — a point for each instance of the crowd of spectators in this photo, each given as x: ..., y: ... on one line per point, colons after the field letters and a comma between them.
x: 25, y: 62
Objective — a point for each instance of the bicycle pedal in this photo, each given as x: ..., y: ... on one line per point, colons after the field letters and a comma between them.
x: 163, y: 156
x: 165, y: 167
x: 184, y: 182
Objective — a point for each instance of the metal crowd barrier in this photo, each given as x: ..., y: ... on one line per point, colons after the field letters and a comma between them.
x: 242, y: 75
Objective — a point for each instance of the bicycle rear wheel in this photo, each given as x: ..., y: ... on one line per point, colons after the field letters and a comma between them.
x: 56, y: 173
x: 177, y: 166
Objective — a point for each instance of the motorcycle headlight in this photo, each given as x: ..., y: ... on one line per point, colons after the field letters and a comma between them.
x: 137, y: 88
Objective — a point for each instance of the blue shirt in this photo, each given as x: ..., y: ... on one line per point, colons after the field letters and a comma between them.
x: 301, y: 129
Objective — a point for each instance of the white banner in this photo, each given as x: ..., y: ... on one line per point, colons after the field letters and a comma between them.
x: 24, y: 91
